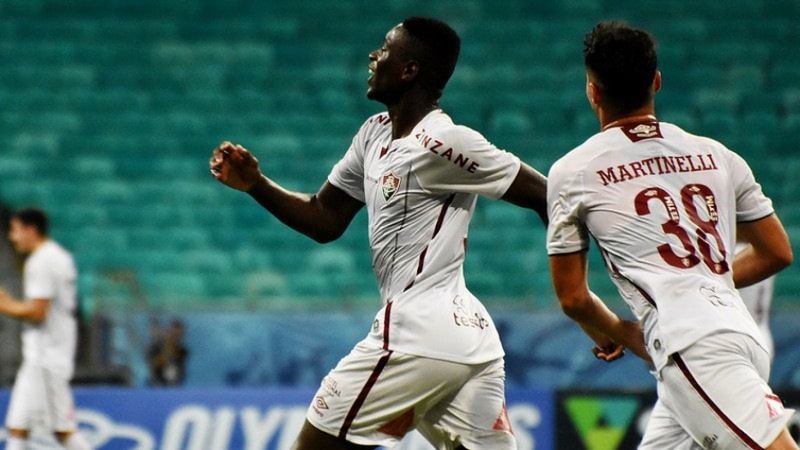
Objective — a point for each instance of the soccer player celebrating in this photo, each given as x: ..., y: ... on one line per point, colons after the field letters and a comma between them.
x: 433, y: 359
x: 665, y: 208
x: 41, y: 390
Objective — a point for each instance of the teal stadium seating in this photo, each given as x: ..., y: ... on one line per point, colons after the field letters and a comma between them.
x: 111, y: 109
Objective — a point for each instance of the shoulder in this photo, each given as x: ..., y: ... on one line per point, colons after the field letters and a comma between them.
x: 376, y: 123
x: 440, y: 126
x: 577, y: 159
x: 51, y: 253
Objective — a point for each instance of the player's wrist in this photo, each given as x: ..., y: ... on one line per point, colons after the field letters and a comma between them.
x: 257, y: 185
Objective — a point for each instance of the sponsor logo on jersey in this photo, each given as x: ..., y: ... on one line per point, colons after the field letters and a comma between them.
x: 390, y: 183
x: 644, y: 131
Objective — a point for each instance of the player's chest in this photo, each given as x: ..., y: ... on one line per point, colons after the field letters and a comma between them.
x: 388, y: 171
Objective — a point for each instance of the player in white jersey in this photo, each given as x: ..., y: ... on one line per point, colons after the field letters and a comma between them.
x: 664, y: 208
x: 41, y: 393
x: 433, y: 359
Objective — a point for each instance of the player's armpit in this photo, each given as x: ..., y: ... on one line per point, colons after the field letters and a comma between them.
x: 529, y: 190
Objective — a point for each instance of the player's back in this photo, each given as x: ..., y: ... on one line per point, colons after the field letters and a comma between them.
x: 662, y: 205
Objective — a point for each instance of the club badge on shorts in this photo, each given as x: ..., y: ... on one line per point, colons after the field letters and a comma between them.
x: 390, y: 183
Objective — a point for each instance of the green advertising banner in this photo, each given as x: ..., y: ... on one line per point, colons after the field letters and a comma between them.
x: 601, y: 420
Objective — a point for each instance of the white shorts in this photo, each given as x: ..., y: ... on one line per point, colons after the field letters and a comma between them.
x: 713, y: 395
x: 40, y: 399
x: 374, y: 397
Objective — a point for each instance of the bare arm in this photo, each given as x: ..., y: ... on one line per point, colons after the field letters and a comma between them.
x: 322, y: 216
x: 34, y: 311
x: 605, y: 328
x: 768, y: 252
x: 529, y: 190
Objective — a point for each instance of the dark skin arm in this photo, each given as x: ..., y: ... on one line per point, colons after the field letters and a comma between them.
x: 768, y: 252
x: 529, y: 190
x: 322, y: 216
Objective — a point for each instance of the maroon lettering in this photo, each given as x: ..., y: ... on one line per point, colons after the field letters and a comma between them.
x: 608, y: 176
x: 425, y: 141
x: 624, y: 175
x: 448, y: 154
x: 681, y: 163
x: 638, y: 171
x: 669, y: 164
x: 692, y: 165
x: 713, y: 164
x: 461, y: 160
x: 649, y: 163
x: 473, y: 167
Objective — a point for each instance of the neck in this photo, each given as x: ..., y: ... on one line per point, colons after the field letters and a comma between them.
x: 408, y: 111
x: 608, y: 120
x: 36, y: 244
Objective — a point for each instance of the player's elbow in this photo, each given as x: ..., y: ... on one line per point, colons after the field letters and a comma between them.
x: 325, y: 236
x: 784, y: 258
x: 574, y: 306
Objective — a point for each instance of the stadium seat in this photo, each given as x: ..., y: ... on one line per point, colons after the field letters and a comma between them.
x: 114, y: 107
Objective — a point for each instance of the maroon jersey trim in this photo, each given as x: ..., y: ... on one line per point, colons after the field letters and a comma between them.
x: 747, y: 440
x: 362, y: 396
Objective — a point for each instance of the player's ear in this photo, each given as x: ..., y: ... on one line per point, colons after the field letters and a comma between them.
x: 411, y: 71
x: 593, y: 94
x: 657, y: 81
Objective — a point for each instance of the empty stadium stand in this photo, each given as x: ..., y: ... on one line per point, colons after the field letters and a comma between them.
x: 111, y: 109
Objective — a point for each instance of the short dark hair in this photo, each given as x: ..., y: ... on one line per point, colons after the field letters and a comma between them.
x: 33, y: 217
x: 438, y: 51
x: 623, y: 60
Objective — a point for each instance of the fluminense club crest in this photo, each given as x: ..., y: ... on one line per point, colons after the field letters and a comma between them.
x: 390, y: 183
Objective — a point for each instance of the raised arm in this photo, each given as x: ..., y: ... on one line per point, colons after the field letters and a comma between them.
x: 768, y: 252
x: 322, y: 216
x: 529, y: 190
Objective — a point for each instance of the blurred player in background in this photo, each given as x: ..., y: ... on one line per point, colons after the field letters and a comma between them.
x: 665, y: 208
x: 758, y: 300
x: 433, y: 359
x: 41, y: 393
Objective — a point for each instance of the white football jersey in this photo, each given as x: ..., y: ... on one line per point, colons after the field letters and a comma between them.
x: 662, y: 205
x: 420, y: 192
x: 50, y: 273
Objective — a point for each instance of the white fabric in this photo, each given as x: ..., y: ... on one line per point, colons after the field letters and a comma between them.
x: 77, y: 441
x: 449, y: 403
x: 595, y: 190
x: 50, y: 274
x: 716, y: 402
x: 40, y: 398
x: 15, y: 443
x: 420, y: 192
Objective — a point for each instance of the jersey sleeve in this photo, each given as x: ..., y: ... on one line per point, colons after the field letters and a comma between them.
x: 38, y: 280
x: 566, y: 232
x: 348, y: 173
x: 751, y: 203
x: 459, y: 159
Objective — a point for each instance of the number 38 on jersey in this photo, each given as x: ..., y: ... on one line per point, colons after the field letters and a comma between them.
x: 703, y: 225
